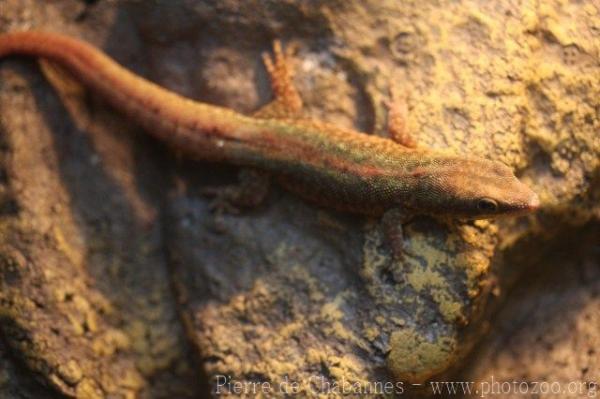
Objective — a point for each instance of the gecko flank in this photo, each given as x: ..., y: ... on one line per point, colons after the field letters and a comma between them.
x: 325, y: 164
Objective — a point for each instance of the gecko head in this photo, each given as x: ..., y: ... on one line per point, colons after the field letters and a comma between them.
x: 477, y: 188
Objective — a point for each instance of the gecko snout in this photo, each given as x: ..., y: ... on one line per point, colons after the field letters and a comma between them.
x: 534, y: 202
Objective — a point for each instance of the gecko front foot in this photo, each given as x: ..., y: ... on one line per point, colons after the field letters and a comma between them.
x: 250, y: 192
x: 392, y: 222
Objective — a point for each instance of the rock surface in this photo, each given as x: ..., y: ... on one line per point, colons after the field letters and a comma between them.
x: 547, y: 332
x: 115, y: 279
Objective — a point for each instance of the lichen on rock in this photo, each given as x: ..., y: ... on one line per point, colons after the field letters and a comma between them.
x: 113, y: 269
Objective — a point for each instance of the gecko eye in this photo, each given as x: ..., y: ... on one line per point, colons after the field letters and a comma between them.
x: 487, y: 205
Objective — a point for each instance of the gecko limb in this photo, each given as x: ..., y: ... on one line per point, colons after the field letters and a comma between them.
x: 392, y: 222
x: 397, y: 116
x: 253, y: 185
x: 287, y: 101
x: 249, y: 192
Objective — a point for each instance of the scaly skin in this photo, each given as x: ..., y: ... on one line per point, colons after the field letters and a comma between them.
x: 328, y: 165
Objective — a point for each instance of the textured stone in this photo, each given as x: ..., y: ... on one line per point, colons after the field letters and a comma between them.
x: 85, y: 299
x: 547, y: 332
x: 99, y: 222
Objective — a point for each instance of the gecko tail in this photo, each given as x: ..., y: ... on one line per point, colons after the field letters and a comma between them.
x: 36, y: 45
x: 16, y: 43
x: 165, y: 114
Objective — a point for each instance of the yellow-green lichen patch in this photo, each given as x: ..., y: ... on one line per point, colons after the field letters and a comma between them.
x: 429, y: 274
x: 111, y: 340
x: 370, y: 332
x: 414, y: 358
x: 443, y: 269
x: 482, y: 79
x: 70, y: 372
x: 333, y: 315
x: 478, y: 243
x: 284, y: 338
x: 374, y: 260
x: 436, y: 285
x: 88, y: 389
x: 513, y: 81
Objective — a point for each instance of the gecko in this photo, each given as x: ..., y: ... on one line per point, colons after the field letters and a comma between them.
x: 325, y: 164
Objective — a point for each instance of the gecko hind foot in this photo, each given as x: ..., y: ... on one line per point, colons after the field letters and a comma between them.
x: 397, y: 116
x: 250, y: 192
x: 281, y: 72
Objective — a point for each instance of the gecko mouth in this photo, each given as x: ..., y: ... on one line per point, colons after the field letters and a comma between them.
x: 529, y: 206
x: 534, y: 203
